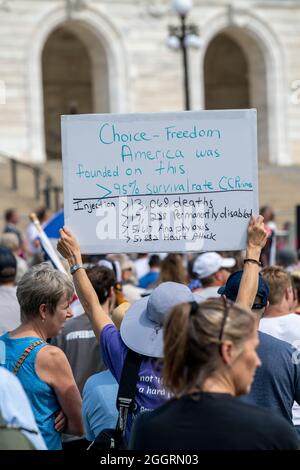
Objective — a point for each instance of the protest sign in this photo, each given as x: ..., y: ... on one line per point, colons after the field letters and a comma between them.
x: 160, y: 182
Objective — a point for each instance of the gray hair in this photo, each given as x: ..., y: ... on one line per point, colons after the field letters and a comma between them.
x: 42, y: 285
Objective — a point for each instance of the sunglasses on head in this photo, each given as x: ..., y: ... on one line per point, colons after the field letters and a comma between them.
x: 258, y: 306
x: 226, y: 304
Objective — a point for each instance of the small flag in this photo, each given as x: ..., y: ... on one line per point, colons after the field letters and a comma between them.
x: 47, y: 245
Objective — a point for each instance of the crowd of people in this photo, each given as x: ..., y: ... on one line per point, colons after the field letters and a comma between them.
x: 213, y: 337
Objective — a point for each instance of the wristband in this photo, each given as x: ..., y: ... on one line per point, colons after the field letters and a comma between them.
x: 251, y: 260
x: 75, y: 268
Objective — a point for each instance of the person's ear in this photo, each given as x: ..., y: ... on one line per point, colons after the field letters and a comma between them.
x: 221, y: 276
x: 110, y: 292
x: 43, y: 310
x: 287, y: 293
x: 295, y: 294
x: 227, y: 352
x: 263, y: 310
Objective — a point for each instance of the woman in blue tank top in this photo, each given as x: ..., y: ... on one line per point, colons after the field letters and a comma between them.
x: 45, y: 373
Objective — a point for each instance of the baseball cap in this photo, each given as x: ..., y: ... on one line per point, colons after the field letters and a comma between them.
x: 231, y: 288
x: 207, y: 264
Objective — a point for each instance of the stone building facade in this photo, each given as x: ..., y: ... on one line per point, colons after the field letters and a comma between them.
x: 82, y: 56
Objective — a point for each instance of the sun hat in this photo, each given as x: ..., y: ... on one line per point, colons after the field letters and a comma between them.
x: 231, y: 288
x: 142, y: 327
x: 209, y: 263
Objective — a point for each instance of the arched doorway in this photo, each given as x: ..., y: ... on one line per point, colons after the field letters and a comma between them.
x: 226, y: 75
x: 74, y: 79
x: 235, y: 78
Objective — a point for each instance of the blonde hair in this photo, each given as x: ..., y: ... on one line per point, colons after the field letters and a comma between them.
x: 192, y: 341
x: 10, y: 241
x: 278, y: 281
x: 118, y: 313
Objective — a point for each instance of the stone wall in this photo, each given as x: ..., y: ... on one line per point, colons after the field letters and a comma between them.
x: 143, y: 75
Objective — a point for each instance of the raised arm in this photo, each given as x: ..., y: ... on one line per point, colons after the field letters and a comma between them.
x: 256, y: 240
x: 69, y: 248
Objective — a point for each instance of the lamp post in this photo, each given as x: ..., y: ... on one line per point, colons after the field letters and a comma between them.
x: 182, y: 37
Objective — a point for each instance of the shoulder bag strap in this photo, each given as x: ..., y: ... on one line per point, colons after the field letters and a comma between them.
x: 127, y: 387
x: 25, y: 353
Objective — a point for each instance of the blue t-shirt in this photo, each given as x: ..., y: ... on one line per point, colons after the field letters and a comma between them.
x: 277, y: 382
x: 150, y: 393
x: 99, y: 409
x: 150, y: 278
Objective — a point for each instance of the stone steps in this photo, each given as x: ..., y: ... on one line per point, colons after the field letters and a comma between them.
x: 24, y: 197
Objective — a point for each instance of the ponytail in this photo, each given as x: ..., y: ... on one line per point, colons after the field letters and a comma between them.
x: 192, y: 341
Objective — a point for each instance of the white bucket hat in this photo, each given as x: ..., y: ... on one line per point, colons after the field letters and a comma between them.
x: 142, y: 327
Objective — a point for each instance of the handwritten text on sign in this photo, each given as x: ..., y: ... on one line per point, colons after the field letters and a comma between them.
x: 160, y: 182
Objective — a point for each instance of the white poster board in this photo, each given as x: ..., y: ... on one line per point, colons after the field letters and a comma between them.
x: 160, y: 182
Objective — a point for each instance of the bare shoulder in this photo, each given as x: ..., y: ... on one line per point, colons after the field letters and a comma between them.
x: 52, y: 364
x: 51, y: 356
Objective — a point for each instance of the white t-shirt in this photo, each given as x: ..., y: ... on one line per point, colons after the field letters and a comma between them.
x: 207, y: 293
x: 286, y: 328
x: 10, y: 317
x: 31, y: 235
x: 77, y: 308
x: 141, y: 266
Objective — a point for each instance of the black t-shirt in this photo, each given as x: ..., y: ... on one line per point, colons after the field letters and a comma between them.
x: 211, y: 421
